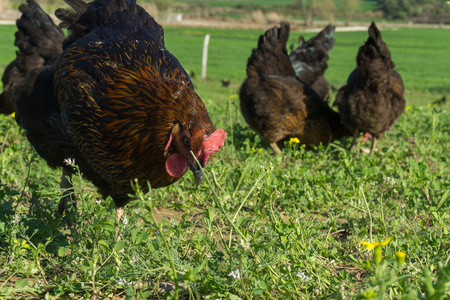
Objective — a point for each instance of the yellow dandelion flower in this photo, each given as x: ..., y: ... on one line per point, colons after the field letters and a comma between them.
x: 13, y: 115
x: 294, y: 141
x: 400, y: 257
x: 370, y: 246
x: 408, y: 107
x: 387, y: 241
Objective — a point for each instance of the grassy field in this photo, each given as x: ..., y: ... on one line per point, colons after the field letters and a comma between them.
x: 293, y: 226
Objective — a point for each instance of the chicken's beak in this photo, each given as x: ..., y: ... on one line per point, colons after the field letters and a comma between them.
x: 198, y: 173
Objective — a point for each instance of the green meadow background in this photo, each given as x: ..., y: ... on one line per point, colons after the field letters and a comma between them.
x: 260, y: 226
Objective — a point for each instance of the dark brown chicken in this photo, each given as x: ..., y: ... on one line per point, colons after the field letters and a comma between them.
x: 372, y: 100
x: 277, y: 104
x: 118, y: 103
x: 40, y: 43
x: 309, y: 60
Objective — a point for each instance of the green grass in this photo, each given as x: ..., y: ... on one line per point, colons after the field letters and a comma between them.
x: 291, y: 224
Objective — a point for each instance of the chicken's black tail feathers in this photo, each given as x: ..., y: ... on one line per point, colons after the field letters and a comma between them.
x: 38, y: 38
x: 310, y: 58
x: 40, y: 43
x: 124, y: 15
x: 375, y: 47
x: 270, y: 58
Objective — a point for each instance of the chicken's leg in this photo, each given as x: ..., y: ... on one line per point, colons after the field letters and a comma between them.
x: 275, y: 148
x: 67, y: 199
x: 355, y: 136
x: 372, y: 146
x: 119, y: 214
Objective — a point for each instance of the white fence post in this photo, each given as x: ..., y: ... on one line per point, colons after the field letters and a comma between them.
x: 205, y: 56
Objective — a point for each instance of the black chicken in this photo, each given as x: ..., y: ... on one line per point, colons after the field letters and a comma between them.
x: 309, y: 60
x: 118, y: 103
x: 440, y: 101
x: 372, y: 100
x: 40, y: 43
x: 277, y: 104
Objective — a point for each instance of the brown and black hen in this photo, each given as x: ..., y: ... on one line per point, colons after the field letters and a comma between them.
x: 372, y: 100
x: 277, y: 104
x: 309, y: 60
x: 118, y: 103
x: 40, y: 43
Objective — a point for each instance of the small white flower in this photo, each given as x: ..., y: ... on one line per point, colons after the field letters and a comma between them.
x: 69, y: 162
x: 124, y: 220
x: 274, y: 187
x: 342, y: 291
x: 98, y: 201
x: 16, y: 219
x: 389, y: 181
x: 38, y: 284
x: 121, y: 281
x: 78, y: 261
x: 235, y: 274
x: 244, y: 245
x: 301, y: 275
x: 208, y: 255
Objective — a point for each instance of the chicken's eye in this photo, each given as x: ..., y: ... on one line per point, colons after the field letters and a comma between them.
x: 186, y: 141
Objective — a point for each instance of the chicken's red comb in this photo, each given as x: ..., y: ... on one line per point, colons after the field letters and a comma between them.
x: 212, y: 144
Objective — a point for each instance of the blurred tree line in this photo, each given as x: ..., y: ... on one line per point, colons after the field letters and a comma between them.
x: 434, y: 11
x: 425, y: 10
